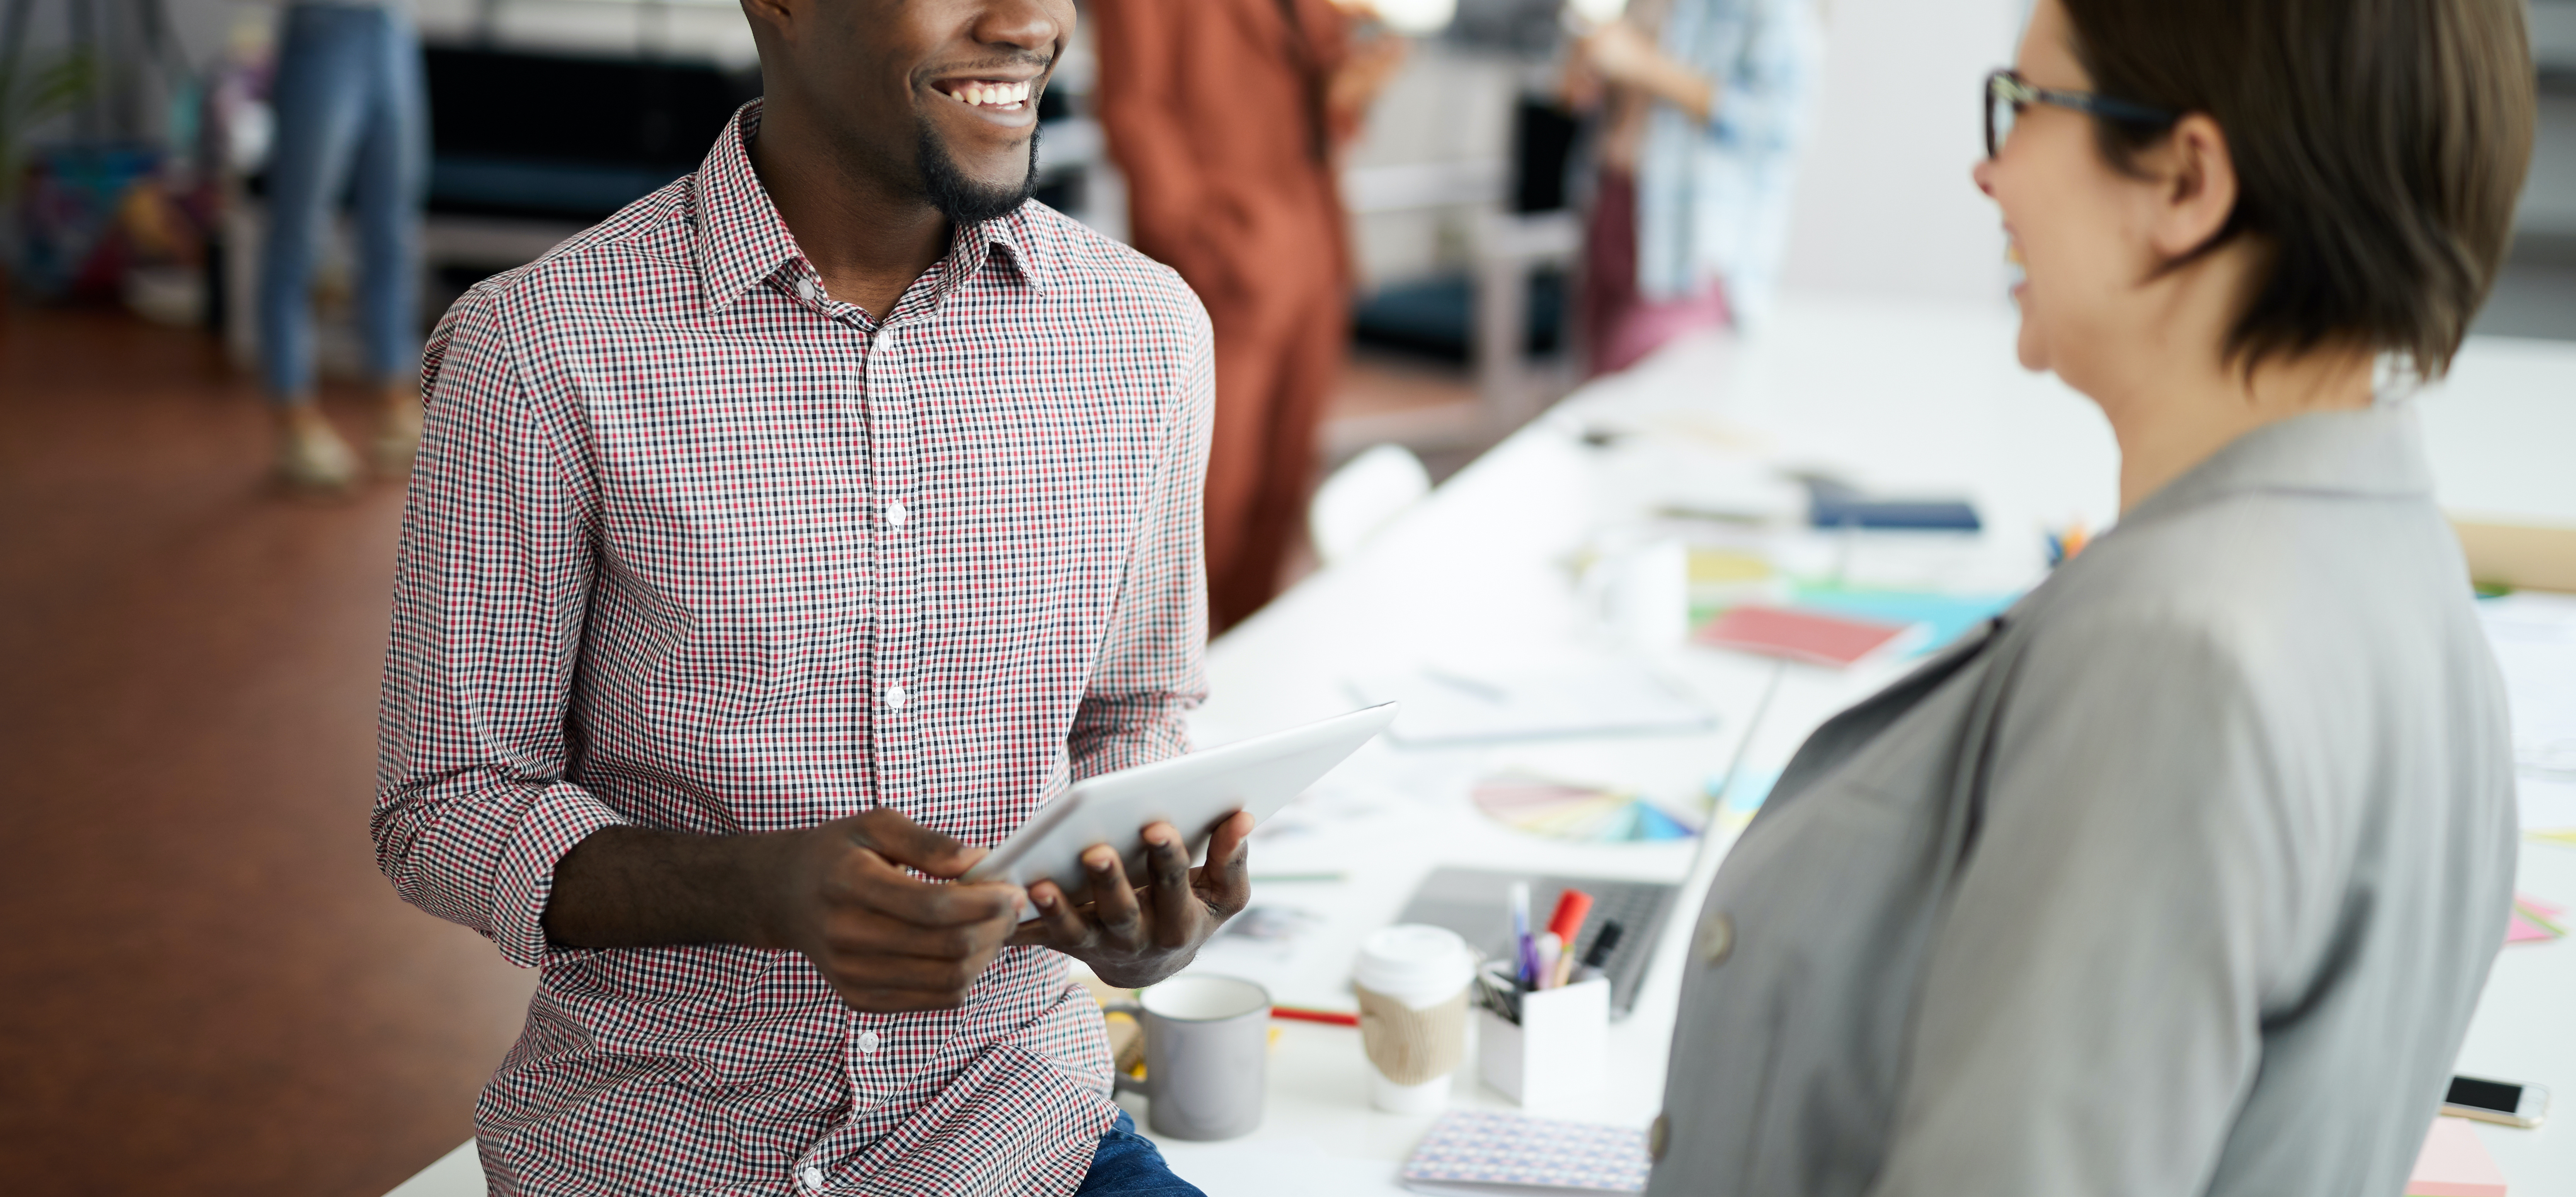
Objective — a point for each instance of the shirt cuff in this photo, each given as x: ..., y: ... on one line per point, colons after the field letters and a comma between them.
x: 562, y: 815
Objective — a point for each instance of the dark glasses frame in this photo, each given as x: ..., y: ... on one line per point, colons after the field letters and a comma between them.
x: 2006, y: 86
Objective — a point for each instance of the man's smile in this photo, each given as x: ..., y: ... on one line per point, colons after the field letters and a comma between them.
x: 999, y: 95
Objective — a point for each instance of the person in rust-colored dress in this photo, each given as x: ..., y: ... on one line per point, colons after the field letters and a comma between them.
x: 1225, y: 115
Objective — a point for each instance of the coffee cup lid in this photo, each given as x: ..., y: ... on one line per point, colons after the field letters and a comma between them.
x: 1412, y: 959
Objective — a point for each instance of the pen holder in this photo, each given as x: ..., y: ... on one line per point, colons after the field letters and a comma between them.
x: 1551, y: 1058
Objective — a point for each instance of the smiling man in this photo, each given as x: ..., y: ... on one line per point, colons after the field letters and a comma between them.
x: 774, y: 548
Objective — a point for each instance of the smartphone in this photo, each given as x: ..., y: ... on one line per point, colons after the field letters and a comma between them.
x: 2496, y: 1101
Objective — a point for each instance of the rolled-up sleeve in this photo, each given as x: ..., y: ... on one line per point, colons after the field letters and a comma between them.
x: 472, y: 807
x: 2092, y: 1014
x: 1152, y: 670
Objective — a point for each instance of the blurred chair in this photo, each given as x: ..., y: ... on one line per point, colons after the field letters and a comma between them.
x: 1363, y: 496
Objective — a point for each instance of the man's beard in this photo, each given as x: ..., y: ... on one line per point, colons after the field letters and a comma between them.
x: 963, y: 200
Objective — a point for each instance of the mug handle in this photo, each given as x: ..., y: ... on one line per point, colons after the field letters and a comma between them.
x: 1118, y: 1077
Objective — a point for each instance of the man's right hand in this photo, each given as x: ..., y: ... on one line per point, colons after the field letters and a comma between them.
x: 884, y: 939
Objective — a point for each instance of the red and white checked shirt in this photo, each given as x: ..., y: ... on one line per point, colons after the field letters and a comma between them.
x: 693, y: 545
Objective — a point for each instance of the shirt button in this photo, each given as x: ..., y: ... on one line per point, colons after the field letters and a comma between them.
x: 1716, y: 939
x: 894, y: 698
x: 868, y: 1043
x: 813, y: 1177
x: 805, y: 291
x: 895, y: 512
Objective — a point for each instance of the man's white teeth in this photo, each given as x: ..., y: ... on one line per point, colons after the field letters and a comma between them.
x: 997, y: 95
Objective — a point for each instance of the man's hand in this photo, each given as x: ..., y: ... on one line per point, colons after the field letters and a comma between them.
x: 1135, y: 936
x: 885, y: 940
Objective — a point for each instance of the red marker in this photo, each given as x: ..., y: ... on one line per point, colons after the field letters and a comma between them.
x: 1572, y: 907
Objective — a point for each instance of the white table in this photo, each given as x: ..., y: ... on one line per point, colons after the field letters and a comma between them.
x: 1897, y: 397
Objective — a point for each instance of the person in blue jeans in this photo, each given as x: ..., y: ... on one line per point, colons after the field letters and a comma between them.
x: 352, y: 120
x: 1128, y: 1164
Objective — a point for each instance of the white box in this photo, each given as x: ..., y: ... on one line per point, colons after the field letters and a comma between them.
x: 1552, y: 1061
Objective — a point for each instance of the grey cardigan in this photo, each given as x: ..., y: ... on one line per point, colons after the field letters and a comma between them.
x: 2182, y: 878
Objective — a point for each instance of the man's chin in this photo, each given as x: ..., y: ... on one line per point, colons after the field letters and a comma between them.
x: 1001, y: 182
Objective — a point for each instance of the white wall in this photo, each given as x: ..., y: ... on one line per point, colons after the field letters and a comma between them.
x: 1884, y: 205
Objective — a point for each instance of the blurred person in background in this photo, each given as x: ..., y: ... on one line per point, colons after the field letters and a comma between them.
x: 1703, y: 104
x: 1225, y: 116
x: 2182, y: 876
x: 352, y: 119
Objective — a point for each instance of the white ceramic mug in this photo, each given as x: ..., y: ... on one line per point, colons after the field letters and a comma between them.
x: 1207, y: 1055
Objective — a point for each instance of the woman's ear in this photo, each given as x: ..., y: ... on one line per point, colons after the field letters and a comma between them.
x: 2194, y: 180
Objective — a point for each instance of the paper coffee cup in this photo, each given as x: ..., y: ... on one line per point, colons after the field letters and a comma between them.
x: 1412, y: 982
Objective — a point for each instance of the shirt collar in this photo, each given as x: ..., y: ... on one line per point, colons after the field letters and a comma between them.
x: 2377, y: 452
x: 742, y: 241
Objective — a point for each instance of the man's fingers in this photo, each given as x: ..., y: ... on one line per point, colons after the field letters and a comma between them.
x: 893, y: 835
x: 1058, y: 924
x: 865, y: 934
x: 1225, y: 883
x: 1167, y: 857
x: 1177, y: 914
x: 1113, y: 901
x: 867, y: 879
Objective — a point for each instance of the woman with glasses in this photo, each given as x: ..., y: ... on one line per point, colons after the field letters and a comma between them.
x: 2184, y: 876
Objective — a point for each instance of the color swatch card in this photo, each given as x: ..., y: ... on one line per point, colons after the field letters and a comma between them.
x: 2454, y: 1164
x: 1574, y: 811
x: 1485, y: 1152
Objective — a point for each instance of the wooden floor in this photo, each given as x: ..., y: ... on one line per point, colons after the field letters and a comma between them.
x: 207, y: 987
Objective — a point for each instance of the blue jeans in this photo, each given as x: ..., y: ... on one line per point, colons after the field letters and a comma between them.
x: 1129, y: 1165
x: 353, y: 115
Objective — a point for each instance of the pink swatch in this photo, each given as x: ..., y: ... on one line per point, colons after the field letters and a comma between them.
x: 2454, y: 1164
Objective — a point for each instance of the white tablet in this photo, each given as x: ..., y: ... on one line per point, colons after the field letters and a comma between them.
x: 1192, y: 793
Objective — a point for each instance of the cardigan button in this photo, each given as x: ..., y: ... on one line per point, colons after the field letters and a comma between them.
x: 1716, y: 939
x: 1659, y: 1135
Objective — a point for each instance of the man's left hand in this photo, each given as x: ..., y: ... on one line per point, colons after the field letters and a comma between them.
x: 1135, y: 935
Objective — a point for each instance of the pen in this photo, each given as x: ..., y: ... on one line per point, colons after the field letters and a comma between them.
x: 1301, y: 1014
x: 1604, y: 944
x: 1524, y: 953
x: 1551, y: 953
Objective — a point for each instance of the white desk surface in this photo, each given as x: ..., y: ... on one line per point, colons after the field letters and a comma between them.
x: 1897, y: 397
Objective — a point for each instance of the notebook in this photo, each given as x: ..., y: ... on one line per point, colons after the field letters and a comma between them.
x: 1484, y: 1152
x: 1810, y: 636
x: 2454, y: 1164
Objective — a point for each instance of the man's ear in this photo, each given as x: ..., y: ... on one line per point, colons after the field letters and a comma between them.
x: 2195, y: 181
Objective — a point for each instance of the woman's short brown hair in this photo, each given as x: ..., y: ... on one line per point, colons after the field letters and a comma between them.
x: 2379, y: 147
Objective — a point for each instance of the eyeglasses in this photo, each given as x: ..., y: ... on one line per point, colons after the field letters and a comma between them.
x: 2007, y: 92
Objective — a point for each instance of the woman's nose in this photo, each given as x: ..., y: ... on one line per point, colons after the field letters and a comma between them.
x: 1984, y: 174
